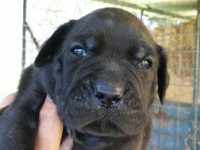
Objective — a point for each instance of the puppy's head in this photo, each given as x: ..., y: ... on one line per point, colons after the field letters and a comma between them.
x: 103, y: 71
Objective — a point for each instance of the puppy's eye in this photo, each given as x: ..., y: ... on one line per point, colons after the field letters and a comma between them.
x: 145, y: 64
x: 79, y: 52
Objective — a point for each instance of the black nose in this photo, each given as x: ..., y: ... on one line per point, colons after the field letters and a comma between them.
x: 109, y: 89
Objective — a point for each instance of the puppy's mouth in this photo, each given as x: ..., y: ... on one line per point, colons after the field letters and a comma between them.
x: 110, y: 123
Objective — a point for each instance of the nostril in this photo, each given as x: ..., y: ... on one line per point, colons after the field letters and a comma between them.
x: 99, y: 96
x: 116, y: 99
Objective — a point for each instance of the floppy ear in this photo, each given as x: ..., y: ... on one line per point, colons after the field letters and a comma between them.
x: 50, y: 48
x: 162, y: 74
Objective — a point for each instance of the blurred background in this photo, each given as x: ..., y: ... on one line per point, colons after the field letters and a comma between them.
x: 174, y: 24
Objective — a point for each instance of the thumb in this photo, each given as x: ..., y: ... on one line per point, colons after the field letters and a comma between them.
x: 50, y: 128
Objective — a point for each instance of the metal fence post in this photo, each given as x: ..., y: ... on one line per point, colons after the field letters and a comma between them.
x: 24, y: 35
x: 196, y: 78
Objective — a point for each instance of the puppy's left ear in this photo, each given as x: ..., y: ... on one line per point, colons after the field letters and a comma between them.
x: 52, y: 46
x: 162, y: 74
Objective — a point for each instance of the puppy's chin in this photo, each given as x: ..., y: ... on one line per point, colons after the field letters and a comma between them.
x: 102, y: 128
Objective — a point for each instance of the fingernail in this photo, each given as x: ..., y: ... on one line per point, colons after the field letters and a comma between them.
x: 49, y: 98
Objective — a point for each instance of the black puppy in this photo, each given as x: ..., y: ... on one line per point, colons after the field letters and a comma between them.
x: 102, y: 71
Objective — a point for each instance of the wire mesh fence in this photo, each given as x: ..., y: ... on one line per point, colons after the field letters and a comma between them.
x: 177, y: 123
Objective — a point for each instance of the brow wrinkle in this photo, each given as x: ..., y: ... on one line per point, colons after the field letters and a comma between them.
x: 141, y: 53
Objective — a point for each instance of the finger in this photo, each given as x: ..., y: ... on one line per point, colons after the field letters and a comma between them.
x: 67, y: 144
x: 50, y: 128
x: 7, y: 100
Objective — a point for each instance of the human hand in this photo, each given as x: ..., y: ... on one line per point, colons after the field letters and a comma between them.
x: 50, y: 127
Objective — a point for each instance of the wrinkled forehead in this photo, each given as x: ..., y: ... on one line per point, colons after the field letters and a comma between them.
x: 116, y: 26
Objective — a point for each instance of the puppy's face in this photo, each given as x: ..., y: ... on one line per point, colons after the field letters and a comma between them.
x: 106, y: 68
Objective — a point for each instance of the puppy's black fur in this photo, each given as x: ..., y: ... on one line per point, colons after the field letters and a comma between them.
x: 102, y: 72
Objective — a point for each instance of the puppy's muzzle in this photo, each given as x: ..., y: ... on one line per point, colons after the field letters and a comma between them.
x: 109, y: 89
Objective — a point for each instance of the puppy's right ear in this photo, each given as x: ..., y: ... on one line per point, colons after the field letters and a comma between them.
x: 162, y: 74
x: 51, y: 47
